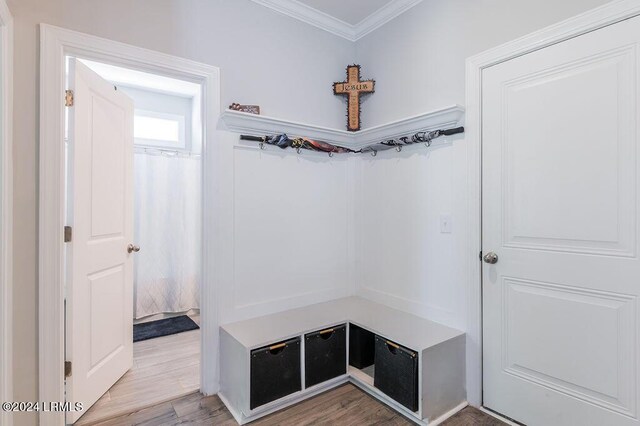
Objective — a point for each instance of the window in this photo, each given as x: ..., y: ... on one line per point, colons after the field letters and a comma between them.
x: 158, y: 129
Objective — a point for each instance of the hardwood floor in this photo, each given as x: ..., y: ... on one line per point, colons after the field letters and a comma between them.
x: 164, y: 368
x: 345, y: 405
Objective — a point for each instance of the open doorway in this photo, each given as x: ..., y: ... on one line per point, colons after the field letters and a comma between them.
x: 56, y: 44
x: 165, y: 253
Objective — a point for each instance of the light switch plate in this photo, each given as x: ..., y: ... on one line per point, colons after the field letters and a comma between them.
x: 446, y: 224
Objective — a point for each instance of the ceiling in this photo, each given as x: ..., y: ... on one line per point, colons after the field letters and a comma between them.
x: 350, y: 11
x: 350, y: 19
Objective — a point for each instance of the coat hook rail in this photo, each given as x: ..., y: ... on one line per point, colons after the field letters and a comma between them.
x: 283, y: 141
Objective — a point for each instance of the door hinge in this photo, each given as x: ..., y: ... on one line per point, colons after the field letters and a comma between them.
x: 68, y: 234
x: 68, y: 98
x: 67, y: 369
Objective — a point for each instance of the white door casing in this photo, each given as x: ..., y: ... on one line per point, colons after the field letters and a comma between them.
x: 99, y: 295
x: 6, y: 210
x: 560, y: 135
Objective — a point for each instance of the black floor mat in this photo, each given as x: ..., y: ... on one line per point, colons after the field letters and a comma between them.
x: 163, y: 327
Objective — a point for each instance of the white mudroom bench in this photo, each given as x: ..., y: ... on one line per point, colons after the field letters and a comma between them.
x: 412, y: 356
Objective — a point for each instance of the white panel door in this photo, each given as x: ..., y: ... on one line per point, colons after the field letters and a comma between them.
x: 560, y: 210
x: 99, y: 295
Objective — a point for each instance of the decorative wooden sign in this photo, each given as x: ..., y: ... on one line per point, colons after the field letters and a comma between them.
x: 353, y: 88
x: 251, y: 109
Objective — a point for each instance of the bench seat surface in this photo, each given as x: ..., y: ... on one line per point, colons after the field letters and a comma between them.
x: 403, y: 328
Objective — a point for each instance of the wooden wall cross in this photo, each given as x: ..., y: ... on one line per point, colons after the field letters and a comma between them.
x: 353, y: 88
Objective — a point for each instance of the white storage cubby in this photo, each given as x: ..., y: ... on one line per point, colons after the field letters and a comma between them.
x: 440, y: 349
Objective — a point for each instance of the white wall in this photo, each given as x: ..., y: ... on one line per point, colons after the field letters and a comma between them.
x: 287, y: 235
x: 418, y: 58
x: 404, y: 260
x: 285, y: 66
x: 418, y: 61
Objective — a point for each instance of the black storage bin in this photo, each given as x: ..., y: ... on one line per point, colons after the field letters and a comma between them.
x: 361, y: 347
x: 275, y: 372
x: 325, y: 355
x: 397, y: 372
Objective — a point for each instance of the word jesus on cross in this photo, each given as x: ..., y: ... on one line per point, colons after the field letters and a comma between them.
x: 353, y: 88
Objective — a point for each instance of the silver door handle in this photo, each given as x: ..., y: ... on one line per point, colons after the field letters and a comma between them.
x: 132, y: 248
x: 490, y: 258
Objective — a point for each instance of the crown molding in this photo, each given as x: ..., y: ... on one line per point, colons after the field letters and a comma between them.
x: 311, y: 16
x: 324, y: 21
x: 382, y: 16
x: 260, y: 125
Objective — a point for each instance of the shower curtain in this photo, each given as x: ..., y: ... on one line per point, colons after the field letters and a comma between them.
x: 168, y: 230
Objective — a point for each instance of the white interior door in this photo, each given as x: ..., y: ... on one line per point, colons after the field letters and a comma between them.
x: 99, y: 295
x: 560, y: 211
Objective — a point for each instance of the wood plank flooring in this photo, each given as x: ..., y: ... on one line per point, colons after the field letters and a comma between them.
x: 345, y: 405
x: 164, y: 368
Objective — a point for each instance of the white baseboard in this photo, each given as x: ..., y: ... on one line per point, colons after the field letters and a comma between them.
x: 498, y: 416
x: 449, y: 414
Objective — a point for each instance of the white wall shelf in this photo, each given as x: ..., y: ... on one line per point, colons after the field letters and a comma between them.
x: 260, y: 125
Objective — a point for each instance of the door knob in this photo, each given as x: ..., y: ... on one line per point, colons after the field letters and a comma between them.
x: 490, y: 258
x: 132, y: 248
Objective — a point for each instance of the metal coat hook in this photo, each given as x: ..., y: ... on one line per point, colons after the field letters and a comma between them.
x: 282, y: 141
